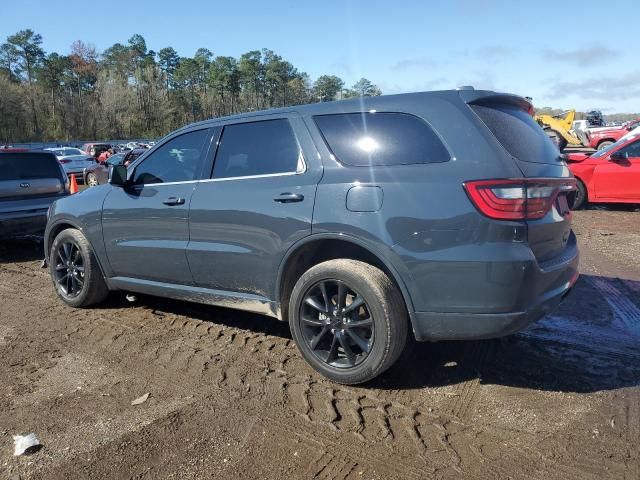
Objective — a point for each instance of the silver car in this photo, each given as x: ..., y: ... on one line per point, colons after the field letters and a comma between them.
x: 73, y: 160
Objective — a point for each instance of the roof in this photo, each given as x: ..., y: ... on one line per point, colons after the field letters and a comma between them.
x: 360, y: 104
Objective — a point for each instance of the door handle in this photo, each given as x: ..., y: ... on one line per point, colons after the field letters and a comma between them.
x: 289, y: 197
x: 171, y: 201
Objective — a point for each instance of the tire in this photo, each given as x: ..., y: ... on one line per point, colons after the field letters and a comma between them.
x: 83, y: 284
x: 605, y: 144
x: 580, y: 197
x: 92, y: 180
x: 373, y: 345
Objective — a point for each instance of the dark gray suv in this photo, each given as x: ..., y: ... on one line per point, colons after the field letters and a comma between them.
x: 441, y: 212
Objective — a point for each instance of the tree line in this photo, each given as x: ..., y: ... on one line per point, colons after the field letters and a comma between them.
x: 130, y: 91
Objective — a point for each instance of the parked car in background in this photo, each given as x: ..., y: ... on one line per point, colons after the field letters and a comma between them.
x: 632, y: 133
x: 65, y: 151
x: 73, y: 160
x: 10, y: 148
x: 121, y: 148
x: 610, y: 175
x: 603, y: 137
x: 29, y: 183
x: 98, y: 173
x: 356, y: 221
x: 95, y: 149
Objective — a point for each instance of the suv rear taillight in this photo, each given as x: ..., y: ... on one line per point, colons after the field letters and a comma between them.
x: 519, y: 198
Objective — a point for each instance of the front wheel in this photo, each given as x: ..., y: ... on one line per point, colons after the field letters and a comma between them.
x: 74, y: 270
x: 348, y: 320
x: 605, y: 144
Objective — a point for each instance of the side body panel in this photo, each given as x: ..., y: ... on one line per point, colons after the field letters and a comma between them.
x: 145, y: 238
x: 617, y: 181
x: 239, y: 233
x: 146, y: 227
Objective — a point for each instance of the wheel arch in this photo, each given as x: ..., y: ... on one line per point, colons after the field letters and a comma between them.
x: 60, y: 225
x: 321, y: 247
x: 602, y: 140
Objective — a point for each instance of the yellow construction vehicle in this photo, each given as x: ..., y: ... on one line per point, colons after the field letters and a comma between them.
x: 558, y: 128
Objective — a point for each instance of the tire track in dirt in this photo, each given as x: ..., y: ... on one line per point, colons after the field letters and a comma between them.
x: 632, y: 420
x: 466, y: 392
x: 179, y: 351
x: 331, y: 467
x: 626, y: 313
x: 234, y: 361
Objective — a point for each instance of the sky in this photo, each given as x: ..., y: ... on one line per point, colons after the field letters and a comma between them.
x: 564, y: 54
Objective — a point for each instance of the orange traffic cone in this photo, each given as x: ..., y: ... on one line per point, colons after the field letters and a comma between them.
x: 73, y: 188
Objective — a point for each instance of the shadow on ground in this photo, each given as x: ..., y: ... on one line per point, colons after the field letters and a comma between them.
x: 590, y: 343
x: 21, y: 250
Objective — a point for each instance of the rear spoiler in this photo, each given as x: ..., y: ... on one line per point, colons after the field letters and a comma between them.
x: 488, y: 98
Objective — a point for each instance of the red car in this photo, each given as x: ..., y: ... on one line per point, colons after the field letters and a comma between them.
x: 602, y: 138
x: 610, y: 175
x: 95, y: 149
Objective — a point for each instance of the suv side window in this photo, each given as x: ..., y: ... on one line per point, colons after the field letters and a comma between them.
x: 365, y: 139
x: 178, y: 160
x: 264, y: 147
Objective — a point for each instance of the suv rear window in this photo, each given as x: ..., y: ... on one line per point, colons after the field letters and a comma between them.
x: 366, y: 139
x: 19, y: 166
x: 517, y: 132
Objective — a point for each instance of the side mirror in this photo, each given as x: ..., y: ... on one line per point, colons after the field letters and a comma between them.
x: 618, y: 156
x: 118, y: 175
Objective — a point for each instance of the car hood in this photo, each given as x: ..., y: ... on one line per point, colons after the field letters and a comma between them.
x: 604, y: 129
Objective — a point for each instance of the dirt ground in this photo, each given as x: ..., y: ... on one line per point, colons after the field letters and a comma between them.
x: 231, y: 398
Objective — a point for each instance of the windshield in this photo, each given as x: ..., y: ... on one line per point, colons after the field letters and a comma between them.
x: 115, y: 159
x: 606, y: 150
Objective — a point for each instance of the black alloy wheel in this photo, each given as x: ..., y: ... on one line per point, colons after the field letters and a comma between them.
x: 69, y: 269
x: 336, y: 324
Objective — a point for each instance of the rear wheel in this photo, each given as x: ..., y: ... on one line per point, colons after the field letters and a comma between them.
x: 605, y: 144
x: 76, y: 276
x: 348, y: 320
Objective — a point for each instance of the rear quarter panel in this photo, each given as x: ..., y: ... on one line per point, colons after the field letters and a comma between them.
x: 426, y: 227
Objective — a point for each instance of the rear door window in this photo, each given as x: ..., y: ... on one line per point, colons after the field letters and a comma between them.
x: 367, y: 139
x: 518, y: 133
x: 28, y: 166
x: 266, y: 147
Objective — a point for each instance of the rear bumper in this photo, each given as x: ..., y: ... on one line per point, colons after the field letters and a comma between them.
x: 547, y: 287
x: 20, y: 224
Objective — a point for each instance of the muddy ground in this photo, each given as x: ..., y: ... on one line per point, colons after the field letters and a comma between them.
x: 231, y: 398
